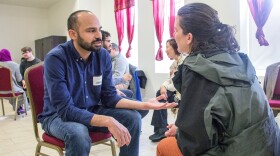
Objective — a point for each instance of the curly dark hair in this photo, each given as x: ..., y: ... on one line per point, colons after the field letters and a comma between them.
x: 203, y: 23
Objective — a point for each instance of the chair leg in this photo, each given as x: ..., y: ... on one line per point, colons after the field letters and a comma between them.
x: 3, y: 109
x: 25, y: 104
x: 16, y: 108
x: 38, y: 150
x: 113, y: 148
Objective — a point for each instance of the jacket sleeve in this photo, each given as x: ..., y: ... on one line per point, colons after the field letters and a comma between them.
x: 195, y: 134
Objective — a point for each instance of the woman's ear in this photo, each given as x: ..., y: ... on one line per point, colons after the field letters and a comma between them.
x: 189, y: 38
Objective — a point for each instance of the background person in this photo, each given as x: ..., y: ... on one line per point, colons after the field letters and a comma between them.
x: 28, y: 60
x: 6, y: 60
x: 120, y: 68
x: 167, y: 89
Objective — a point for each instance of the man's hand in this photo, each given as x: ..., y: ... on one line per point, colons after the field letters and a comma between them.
x: 119, y: 132
x: 155, y: 104
x: 172, y: 128
x: 127, y: 77
x: 23, y: 84
x: 120, y: 93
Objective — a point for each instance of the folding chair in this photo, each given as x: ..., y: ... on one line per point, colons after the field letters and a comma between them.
x: 35, y: 87
x: 275, y: 101
x: 6, y: 88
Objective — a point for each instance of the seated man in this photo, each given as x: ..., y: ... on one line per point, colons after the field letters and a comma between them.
x: 27, y: 61
x: 106, y: 44
x: 79, y: 94
x: 120, y: 68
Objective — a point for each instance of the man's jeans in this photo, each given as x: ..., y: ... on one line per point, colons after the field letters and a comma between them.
x: 77, y: 140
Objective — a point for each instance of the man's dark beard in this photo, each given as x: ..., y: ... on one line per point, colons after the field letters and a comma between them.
x: 87, y: 46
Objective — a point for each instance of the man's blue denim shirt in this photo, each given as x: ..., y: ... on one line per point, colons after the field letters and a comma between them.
x: 73, y: 87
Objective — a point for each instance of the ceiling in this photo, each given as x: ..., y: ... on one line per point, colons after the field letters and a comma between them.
x: 30, y: 3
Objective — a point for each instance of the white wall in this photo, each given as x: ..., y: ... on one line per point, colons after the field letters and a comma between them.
x: 228, y: 11
x: 58, y: 15
x: 21, y: 26
x: 107, y: 19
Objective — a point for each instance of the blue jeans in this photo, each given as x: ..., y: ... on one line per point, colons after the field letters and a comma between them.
x: 77, y: 140
x: 129, y: 95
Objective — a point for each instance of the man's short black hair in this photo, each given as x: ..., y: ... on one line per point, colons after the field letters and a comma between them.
x: 72, y: 20
x: 105, y: 34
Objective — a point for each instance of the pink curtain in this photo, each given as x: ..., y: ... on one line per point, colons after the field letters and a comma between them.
x: 130, y: 28
x: 260, y: 10
x: 158, y: 12
x: 172, y: 18
x: 119, y: 17
x: 120, y: 6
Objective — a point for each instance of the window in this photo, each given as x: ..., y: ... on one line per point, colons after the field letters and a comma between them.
x: 163, y: 65
x: 261, y: 56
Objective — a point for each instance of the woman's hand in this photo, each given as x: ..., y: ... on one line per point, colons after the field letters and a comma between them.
x: 163, y: 91
x: 172, y: 128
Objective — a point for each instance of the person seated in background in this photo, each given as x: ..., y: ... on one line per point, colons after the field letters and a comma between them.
x: 106, y: 40
x: 120, y: 74
x: 120, y: 68
x: 106, y: 44
x: 167, y: 89
x: 223, y: 109
x: 6, y: 60
x: 27, y: 61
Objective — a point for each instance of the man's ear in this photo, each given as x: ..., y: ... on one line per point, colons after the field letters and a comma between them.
x: 72, y: 34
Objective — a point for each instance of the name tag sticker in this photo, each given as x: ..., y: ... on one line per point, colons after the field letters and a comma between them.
x: 97, y: 80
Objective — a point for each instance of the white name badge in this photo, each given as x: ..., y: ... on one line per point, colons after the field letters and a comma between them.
x: 97, y: 80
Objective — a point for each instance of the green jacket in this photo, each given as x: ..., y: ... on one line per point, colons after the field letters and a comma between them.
x: 223, y: 110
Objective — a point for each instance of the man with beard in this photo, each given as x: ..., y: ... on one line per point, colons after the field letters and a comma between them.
x: 106, y: 40
x: 79, y: 94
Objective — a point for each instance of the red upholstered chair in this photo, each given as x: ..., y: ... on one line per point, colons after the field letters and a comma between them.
x: 6, y: 88
x: 275, y: 101
x: 35, y: 87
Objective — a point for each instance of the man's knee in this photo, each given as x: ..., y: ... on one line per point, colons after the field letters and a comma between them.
x: 79, y: 136
x: 133, y: 118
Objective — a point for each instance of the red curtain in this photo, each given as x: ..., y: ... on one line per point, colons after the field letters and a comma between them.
x: 260, y: 10
x: 130, y: 28
x: 121, y: 6
x: 158, y: 12
x: 119, y: 17
x: 172, y: 18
